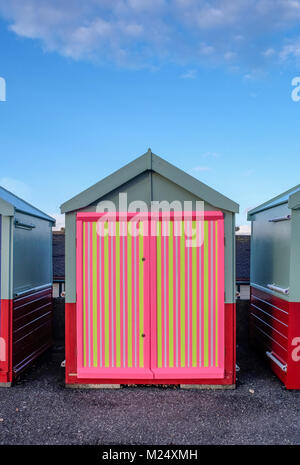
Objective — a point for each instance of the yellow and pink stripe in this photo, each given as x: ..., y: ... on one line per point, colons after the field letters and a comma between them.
x: 150, y: 307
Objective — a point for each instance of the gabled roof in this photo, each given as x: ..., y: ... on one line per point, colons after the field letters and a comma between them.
x: 13, y: 203
x: 149, y: 162
x: 285, y: 197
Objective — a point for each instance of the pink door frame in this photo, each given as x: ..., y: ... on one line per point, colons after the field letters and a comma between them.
x: 113, y: 371
x: 150, y: 369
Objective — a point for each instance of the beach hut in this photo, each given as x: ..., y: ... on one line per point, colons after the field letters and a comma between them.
x: 25, y: 285
x: 275, y: 290
x: 150, y: 293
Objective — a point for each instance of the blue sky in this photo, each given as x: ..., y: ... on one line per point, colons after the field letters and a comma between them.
x: 206, y: 84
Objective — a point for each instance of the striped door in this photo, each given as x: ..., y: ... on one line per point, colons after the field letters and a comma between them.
x: 150, y: 306
x: 188, y: 322
x: 112, y: 299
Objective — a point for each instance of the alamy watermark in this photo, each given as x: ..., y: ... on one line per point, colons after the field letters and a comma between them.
x: 296, y: 350
x: 295, y: 95
x: 132, y: 217
x: 2, y: 89
x: 2, y: 350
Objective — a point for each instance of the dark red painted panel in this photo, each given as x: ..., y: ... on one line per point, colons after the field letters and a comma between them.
x: 264, y: 342
x: 270, y: 299
x: 278, y: 333
x: 271, y: 311
x: 25, y: 307
x: 32, y: 327
x: 269, y: 323
x: 271, y: 328
x: 33, y: 318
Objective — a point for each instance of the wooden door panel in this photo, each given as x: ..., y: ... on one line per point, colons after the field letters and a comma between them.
x: 188, y: 322
x: 113, y: 301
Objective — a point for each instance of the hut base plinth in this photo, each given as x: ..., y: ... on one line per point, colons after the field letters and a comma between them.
x: 207, y: 386
x: 93, y: 386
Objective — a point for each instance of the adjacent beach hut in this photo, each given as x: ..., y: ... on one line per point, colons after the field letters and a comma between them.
x: 150, y: 307
x: 275, y: 289
x: 25, y: 285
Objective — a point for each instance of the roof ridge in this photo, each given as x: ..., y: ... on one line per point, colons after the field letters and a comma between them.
x: 149, y: 162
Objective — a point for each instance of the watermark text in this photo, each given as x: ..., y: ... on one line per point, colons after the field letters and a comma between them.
x: 296, y: 91
x: 2, y: 89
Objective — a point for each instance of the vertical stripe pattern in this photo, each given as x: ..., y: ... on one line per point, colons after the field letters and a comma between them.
x: 113, y: 296
x: 188, y: 333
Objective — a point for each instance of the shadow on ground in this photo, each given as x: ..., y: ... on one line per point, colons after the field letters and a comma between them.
x: 39, y: 410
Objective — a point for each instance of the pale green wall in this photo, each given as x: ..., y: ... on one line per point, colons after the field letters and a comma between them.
x: 163, y: 189
x: 229, y: 258
x: 70, y: 257
x: 271, y: 249
x: 295, y: 257
x: 6, y: 257
x: 32, y: 265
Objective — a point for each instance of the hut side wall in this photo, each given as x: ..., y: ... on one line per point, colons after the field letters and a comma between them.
x: 295, y: 257
x: 26, y: 264
x: 31, y: 332
x: 271, y: 249
x: 6, y: 257
x: 32, y: 254
x: 274, y: 317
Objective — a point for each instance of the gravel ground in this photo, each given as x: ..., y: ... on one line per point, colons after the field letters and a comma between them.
x: 39, y: 410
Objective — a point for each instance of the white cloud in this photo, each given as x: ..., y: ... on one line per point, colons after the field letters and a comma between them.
x: 244, y: 230
x: 291, y: 50
x: 206, y: 49
x: 191, y: 74
x: 254, y: 74
x: 19, y: 188
x: 143, y: 32
x: 229, y: 55
x: 60, y: 221
x: 269, y: 52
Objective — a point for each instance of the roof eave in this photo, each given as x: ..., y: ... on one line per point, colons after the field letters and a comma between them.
x: 35, y: 215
